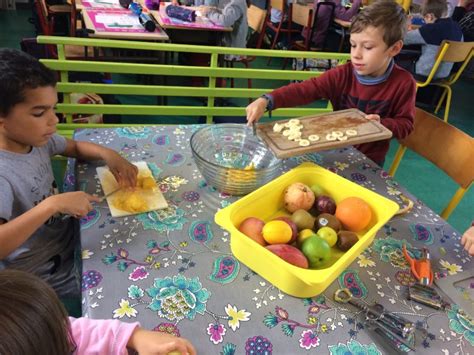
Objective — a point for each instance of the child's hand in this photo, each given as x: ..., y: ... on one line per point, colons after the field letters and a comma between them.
x: 146, y: 342
x: 372, y: 117
x: 468, y: 240
x: 255, y: 110
x: 77, y: 203
x: 124, y: 172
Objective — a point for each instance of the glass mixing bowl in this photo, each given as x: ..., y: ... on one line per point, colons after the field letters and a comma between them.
x: 232, y: 159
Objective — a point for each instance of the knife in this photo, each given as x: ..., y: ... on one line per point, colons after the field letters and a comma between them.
x: 109, y: 194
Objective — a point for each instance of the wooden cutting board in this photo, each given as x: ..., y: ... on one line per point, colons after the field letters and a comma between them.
x: 322, y: 125
x: 153, y: 198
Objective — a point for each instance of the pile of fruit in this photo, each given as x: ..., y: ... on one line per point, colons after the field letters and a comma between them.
x: 314, y: 225
x: 134, y: 200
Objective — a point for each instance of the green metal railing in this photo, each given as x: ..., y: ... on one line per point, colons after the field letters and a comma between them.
x: 103, y: 64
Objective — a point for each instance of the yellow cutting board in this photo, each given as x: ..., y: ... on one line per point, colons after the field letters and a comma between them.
x: 154, y: 199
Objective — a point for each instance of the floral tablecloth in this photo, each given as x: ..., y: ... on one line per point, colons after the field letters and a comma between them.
x: 173, y: 271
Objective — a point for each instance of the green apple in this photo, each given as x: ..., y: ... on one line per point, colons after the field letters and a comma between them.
x: 317, y: 189
x: 317, y: 251
x: 328, y: 234
x: 303, y: 235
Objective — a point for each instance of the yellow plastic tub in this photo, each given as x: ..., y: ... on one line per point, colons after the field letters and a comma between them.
x: 266, y: 203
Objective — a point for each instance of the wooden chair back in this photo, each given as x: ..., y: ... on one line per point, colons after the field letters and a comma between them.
x: 302, y: 15
x: 46, y: 17
x: 457, y: 51
x: 256, y: 18
x: 449, y: 148
x: 278, y: 5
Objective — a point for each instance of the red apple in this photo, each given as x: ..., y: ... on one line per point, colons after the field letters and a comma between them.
x: 252, y: 228
x: 293, y: 226
x: 290, y: 254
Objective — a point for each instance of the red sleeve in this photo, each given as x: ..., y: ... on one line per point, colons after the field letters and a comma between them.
x: 401, y: 124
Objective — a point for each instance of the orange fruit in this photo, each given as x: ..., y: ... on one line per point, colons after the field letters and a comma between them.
x: 354, y: 213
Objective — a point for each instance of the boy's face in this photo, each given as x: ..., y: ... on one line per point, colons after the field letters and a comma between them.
x: 370, y: 55
x: 429, y: 18
x: 31, y: 122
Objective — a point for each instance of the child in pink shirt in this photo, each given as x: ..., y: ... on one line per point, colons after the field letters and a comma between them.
x: 33, y: 321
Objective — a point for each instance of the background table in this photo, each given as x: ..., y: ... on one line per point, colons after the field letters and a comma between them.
x: 203, y: 31
x: 173, y: 271
x: 97, y: 4
x: 121, y: 29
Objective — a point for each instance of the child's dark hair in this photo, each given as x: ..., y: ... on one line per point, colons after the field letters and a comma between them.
x: 18, y: 72
x: 383, y: 14
x: 32, y: 319
x: 438, y: 8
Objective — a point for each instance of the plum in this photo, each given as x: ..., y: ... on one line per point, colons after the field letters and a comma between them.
x: 324, y: 204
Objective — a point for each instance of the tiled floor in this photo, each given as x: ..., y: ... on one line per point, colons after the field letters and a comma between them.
x: 419, y: 176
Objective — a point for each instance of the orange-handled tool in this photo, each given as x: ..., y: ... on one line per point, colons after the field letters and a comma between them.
x: 420, y: 268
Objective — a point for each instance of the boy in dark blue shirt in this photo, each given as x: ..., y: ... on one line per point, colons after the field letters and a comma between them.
x: 429, y: 36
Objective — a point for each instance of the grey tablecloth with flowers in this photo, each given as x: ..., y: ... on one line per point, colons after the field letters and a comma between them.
x: 172, y: 270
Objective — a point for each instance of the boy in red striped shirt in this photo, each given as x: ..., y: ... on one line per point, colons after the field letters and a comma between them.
x: 371, y: 82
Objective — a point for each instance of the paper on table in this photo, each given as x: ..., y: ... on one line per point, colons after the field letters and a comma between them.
x: 118, y: 20
x: 154, y: 199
